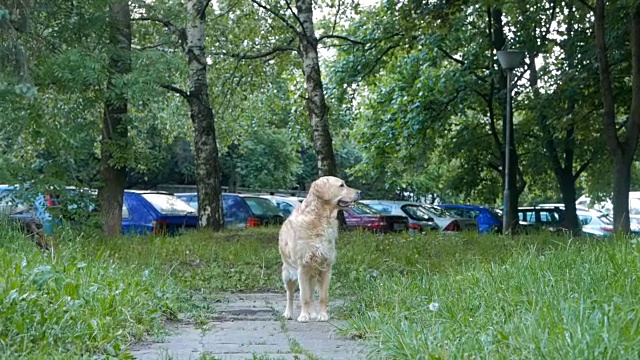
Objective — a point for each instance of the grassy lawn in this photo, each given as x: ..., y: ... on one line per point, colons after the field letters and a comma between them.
x: 410, y: 297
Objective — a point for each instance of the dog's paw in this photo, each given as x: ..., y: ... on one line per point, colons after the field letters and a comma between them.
x: 287, y: 314
x: 303, y: 318
x: 323, y: 317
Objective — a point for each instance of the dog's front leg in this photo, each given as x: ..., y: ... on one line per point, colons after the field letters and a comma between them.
x: 306, y: 292
x: 288, y: 277
x: 325, y: 279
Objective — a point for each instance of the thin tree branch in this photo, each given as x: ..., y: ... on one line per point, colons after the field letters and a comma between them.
x: 335, y: 19
x: 254, y: 56
x: 159, y: 47
x: 331, y: 36
x: 179, y: 32
x: 495, y: 167
x: 295, y: 15
x: 447, y: 54
x: 278, y: 15
x: 586, y: 4
x: 389, y: 48
x: 176, y: 90
x: 582, y: 168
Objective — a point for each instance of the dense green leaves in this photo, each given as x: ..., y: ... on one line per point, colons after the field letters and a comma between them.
x: 415, y: 92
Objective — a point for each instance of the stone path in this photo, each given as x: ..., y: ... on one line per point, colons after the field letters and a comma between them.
x: 249, y: 327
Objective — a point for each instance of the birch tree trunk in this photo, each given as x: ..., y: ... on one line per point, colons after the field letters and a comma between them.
x: 207, y: 162
x: 316, y: 104
x: 622, y: 151
x: 114, y: 121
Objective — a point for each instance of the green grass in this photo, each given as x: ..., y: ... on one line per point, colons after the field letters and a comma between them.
x: 66, y: 304
x: 577, y: 300
x: 525, y: 297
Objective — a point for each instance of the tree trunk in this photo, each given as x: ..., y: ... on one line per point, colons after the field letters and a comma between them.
x: 207, y: 163
x: 114, y: 121
x: 620, y: 200
x: 624, y: 151
x: 563, y: 171
x: 568, y: 188
x: 316, y: 104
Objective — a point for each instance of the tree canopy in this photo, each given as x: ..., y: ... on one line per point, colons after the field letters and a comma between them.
x: 413, y: 93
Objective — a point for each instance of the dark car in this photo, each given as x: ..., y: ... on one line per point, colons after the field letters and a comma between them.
x: 362, y: 216
x: 156, y: 212
x: 419, y: 220
x: 238, y: 212
x: 488, y: 220
x: 264, y: 209
x: 550, y: 218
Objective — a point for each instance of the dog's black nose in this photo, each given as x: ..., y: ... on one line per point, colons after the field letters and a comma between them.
x: 358, y: 195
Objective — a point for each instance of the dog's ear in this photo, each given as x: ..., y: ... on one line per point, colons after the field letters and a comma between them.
x: 319, y: 188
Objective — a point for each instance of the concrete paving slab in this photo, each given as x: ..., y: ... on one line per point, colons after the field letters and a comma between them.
x: 248, y: 326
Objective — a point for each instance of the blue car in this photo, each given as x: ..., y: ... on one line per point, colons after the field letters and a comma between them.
x: 156, y: 212
x: 488, y: 220
x: 242, y: 211
x: 18, y: 200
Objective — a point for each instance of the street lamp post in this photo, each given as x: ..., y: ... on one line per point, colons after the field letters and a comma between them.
x: 509, y: 60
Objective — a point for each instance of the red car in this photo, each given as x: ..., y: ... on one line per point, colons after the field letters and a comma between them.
x: 361, y: 216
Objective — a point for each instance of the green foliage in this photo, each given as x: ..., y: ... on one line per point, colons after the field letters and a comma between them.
x: 69, y: 304
x: 267, y: 160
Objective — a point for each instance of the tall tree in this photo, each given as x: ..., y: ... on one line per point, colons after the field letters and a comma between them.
x: 300, y: 26
x: 622, y: 147
x: 316, y: 103
x: 114, y: 120
x: 206, y: 148
x: 559, y: 113
x: 192, y: 40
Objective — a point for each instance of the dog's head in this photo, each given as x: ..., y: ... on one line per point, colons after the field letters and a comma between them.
x: 334, y: 192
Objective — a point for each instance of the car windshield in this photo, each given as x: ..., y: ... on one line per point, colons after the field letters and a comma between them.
x: 168, y: 204
x: 416, y: 212
x: 10, y: 205
x: 262, y: 206
x: 436, y: 211
x: 362, y: 209
x: 606, y: 219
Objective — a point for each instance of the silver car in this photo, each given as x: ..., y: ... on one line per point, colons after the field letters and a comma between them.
x: 419, y: 219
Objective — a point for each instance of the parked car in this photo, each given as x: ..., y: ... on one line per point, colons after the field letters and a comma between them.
x: 418, y: 219
x: 449, y: 223
x: 264, y: 210
x: 238, y: 211
x: 48, y: 208
x: 595, y: 223
x: 362, y: 216
x: 550, y: 218
x: 156, y: 212
x: 24, y: 216
x: 488, y: 220
x: 286, y: 204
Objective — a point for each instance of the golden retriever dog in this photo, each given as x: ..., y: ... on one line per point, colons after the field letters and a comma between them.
x: 307, y: 244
